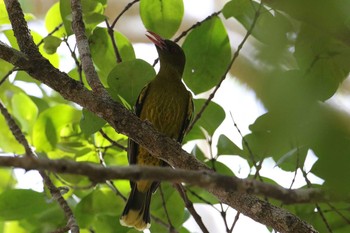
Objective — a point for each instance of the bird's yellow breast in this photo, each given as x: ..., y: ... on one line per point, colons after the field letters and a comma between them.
x: 166, y: 106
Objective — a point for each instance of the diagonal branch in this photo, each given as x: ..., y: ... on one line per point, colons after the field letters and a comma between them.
x: 20, y: 29
x: 145, y: 135
x: 141, y: 132
x: 84, y: 49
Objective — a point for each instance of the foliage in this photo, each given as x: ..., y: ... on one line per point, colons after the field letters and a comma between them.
x: 301, y: 58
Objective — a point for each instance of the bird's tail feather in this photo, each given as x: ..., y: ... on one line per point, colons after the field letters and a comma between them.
x: 136, y: 212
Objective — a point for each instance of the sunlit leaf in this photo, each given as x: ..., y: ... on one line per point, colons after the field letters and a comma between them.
x: 162, y: 17
x: 8, y: 142
x: 25, y: 111
x: 206, y: 44
x: 47, y: 129
x: 53, y: 20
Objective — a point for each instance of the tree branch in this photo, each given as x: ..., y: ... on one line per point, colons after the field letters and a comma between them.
x: 203, y: 179
x: 127, y: 123
x: 84, y: 49
x: 145, y: 135
x: 55, y: 192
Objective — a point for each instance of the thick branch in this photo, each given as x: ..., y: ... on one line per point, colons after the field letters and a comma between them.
x: 144, y: 134
x: 204, y: 179
x: 126, y: 122
x: 20, y: 29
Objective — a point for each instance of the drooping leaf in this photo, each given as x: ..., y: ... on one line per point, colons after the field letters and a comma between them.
x: 208, y: 54
x: 25, y: 111
x: 8, y: 142
x: 99, y: 201
x: 162, y: 17
x: 17, y: 204
x: 323, y: 59
x: 48, y: 128
x: 53, y: 20
x: 90, y: 123
x: 219, y: 167
x: 227, y: 147
x: 93, y: 14
x: 51, y: 43
x: 270, y: 28
x: 103, y: 52
x: 128, y: 78
x: 172, y: 201
x: 209, y: 121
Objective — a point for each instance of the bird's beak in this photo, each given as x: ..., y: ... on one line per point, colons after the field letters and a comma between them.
x: 156, y: 39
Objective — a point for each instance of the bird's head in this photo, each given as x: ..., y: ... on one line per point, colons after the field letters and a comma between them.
x: 170, y: 54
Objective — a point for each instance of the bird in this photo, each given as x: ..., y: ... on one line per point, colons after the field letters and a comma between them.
x: 166, y: 103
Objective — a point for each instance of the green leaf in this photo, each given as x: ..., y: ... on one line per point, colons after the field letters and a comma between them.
x: 323, y: 59
x: 51, y: 125
x: 17, y: 204
x: 161, y: 16
x: 51, y: 43
x: 174, y: 205
x: 90, y: 123
x: 199, y: 195
x: 209, y: 121
x: 227, y: 147
x: 103, y: 53
x: 14, y: 226
x: 128, y: 78
x: 6, y: 180
x: 206, y: 44
x: 98, y: 202
x: 66, y: 15
x: 198, y: 153
x: 4, y: 18
x: 219, y: 167
x: 25, y: 111
x: 8, y: 142
x: 269, y: 28
x: 109, y: 224
x: 53, y: 19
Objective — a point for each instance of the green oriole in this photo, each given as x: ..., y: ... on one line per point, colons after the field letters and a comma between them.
x: 167, y: 104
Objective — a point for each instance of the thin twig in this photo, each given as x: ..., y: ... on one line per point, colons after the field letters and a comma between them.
x: 111, y: 30
x: 49, y: 34
x: 171, y: 226
x: 61, y: 230
x: 346, y: 219
x: 8, y: 75
x: 184, y: 33
x: 114, y: 143
x: 319, y: 210
x: 75, y: 58
x: 114, y: 43
x: 130, y: 4
x: 189, y: 205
